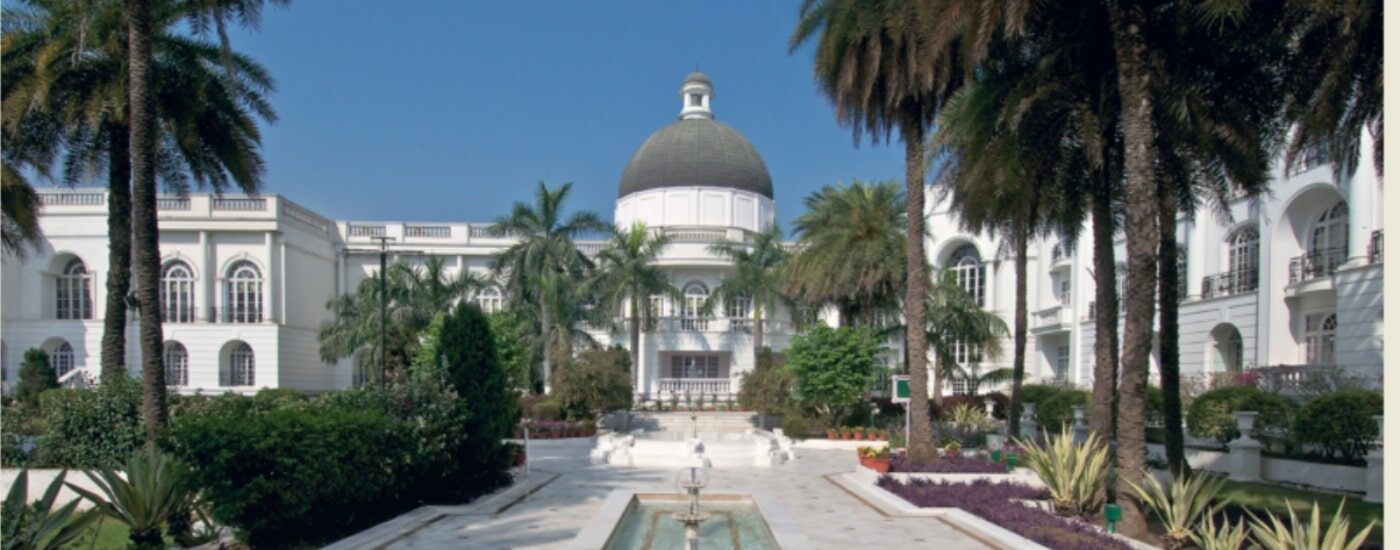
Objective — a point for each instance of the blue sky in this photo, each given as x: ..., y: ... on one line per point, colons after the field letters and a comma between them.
x: 452, y: 110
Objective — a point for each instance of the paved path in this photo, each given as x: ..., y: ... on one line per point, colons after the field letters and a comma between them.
x: 553, y: 514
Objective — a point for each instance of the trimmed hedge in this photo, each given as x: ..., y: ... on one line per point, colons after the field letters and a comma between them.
x: 1212, y: 414
x: 1340, y: 423
x: 90, y: 428
x: 1058, y: 410
x: 311, y: 471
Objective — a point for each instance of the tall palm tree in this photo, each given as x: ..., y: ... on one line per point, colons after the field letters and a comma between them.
x: 889, y: 65
x: 956, y: 319
x: 141, y: 113
x: 758, y: 272
x: 561, y: 301
x: 19, y: 228
x: 413, y: 297
x: 65, y: 62
x: 626, y: 276
x: 544, y: 247
x: 850, y: 250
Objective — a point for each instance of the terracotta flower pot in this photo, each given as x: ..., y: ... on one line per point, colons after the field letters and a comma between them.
x: 880, y: 465
x: 832, y: 434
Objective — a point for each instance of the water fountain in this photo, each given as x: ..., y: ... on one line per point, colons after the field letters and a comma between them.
x: 692, y: 516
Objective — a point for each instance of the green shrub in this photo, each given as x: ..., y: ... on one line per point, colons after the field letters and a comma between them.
x: 768, y: 388
x: 91, y: 428
x: 513, y: 350
x: 1038, y: 393
x: 276, y: 398
x: 1057, y: 411
x: 797, y: 426
x: 1340, y: 423
x: 467, y: 353
x: 291, y: 477
x: 547, y: 409
x: 1156, y: 407
x: 595, y: 383
x: 834, y: 368
x: 1212, y: 414
x: 35, y: 376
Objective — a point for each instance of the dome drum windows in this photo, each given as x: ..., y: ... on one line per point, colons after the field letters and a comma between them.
x: 694, y: 317
x: 738, y: 311
x: 73, y: 298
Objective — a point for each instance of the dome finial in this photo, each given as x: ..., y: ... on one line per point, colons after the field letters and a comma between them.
x: 696, y: 92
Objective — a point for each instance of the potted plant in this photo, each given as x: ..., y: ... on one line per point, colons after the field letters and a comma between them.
x: 832, y: 433
x: 858, y: 433
x: 952, y: 449
x: 884, y: 435
x: 875, y: 458
x: 845, y: 433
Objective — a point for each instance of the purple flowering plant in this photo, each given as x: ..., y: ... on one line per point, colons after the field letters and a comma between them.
x: 992, y: 502
x: 957, y: 464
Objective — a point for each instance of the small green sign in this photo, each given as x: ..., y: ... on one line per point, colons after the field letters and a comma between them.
x: 901, y: 388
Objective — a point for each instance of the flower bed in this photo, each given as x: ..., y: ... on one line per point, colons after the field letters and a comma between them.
x: 950, y: 465
x: 558, y: 429
x: 993, y: 502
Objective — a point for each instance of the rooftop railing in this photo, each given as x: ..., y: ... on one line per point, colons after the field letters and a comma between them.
x: 240, y: 204
x: 73, y: 199
x: 428, y: 231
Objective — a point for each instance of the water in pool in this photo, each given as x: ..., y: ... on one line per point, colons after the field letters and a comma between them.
x: 734, y: 524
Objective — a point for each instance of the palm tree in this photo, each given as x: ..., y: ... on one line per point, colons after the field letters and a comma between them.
x: 626, y: 274
x: 885, y: 66
x: 20, y: 226
x: 544, y: 246
x: 413, y: 297
x: 1334, y: 85
x: 562, y: 302
x: 850, y: 250
x: 65, y: 62
x: 758, y: 268
x: 956, y: 319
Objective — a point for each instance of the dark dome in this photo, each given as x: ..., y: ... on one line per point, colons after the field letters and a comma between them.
x: 696, y: 152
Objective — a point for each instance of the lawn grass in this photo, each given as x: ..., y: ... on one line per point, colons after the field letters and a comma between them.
x: 111, y: 535
x: 1261, y: 497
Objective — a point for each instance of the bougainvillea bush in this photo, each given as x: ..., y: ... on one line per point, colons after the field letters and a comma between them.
x: 992, y: 502
x: 949, y: 465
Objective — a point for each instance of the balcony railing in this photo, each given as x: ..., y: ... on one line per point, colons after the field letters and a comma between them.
x: 694, y: 386
x: 1316, y: 264
x: 1230, y: 282
x: 367, y: 230
x: 238, y: 315
x: 177, y: 315
x: 1377, y: 247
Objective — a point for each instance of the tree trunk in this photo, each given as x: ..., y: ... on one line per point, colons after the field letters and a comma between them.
x: 757, y: 332
x: 1018, y: 362
x: 143, y: 213
x: 548, y: 346
x: 636, y: 343
x: 1169, y: 337
x: 921, y: 444
x: 118, y: 251
x: 1105, y: 315
x: 1140, y: 207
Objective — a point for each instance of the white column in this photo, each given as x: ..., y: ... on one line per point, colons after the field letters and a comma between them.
x: 269, y: 284
x: 1360, y: 198
x: 281, y: 282
x: 1197, y: 253
x: 208, y: 279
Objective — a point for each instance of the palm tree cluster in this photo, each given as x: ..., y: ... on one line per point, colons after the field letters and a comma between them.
x: 1125, y: 114
x: 79, y: 92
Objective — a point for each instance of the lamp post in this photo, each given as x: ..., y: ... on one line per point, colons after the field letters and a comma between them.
x: 383, y: 303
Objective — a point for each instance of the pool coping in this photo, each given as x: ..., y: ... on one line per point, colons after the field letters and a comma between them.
x: 599, y: 529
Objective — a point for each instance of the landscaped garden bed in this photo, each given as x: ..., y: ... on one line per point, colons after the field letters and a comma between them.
x: 1000, y: 503
x: 956, y: 464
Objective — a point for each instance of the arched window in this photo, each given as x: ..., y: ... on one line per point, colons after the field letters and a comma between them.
x: 966, y: 263
x: 74, y: 291
x: 240, y: 365
x: 1244, y: 260
x: 1330, y: 231
x: 177, y: 364
x: 1229, y: 349
x: 490, y: 300
x: 693, y: 314
x: 243, y: 299
x: 1320, y: 338
x: 61, y: 359
x: 177, y: 293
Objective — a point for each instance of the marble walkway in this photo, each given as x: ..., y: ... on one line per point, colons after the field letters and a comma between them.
x: 563, y: 491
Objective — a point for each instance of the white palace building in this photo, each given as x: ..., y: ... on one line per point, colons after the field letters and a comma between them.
x: 1290, y: 284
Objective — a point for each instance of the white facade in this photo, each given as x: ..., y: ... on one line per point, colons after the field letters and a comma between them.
x: 1293, y: 279
x: 1289, y: 284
